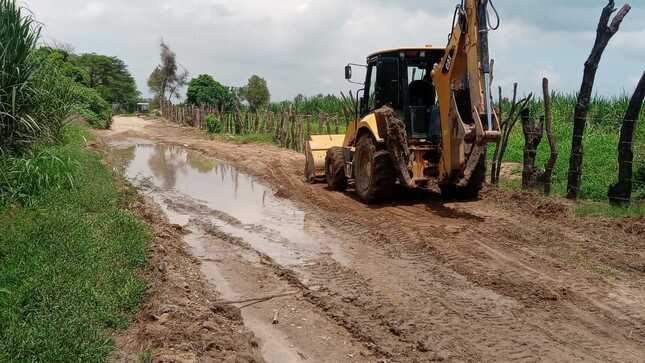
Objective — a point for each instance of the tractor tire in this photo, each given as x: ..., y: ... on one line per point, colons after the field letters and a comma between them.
x: 374, y: 173
x: 335, y: 169
x: 475, y: 184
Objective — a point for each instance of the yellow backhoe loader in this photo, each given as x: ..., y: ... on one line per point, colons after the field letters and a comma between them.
x: 424, y: 116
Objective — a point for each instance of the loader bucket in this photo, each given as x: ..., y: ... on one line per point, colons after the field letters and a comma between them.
x: 316, y: 151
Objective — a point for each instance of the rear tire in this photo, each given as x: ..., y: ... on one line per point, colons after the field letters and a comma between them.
x: 374, y: 172
x: 335, y: 169
x: 475, y: 184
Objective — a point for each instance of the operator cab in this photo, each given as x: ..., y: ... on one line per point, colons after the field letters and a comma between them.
x: 401, y: 78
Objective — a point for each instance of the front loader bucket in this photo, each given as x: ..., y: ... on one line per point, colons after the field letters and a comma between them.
x: 316, y: 151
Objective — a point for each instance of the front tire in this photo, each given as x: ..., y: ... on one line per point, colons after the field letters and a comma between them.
x: 374, y: 172
x: 335, y: 169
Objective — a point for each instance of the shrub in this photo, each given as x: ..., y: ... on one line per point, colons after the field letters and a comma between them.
x: 90, y: 105
x: 19, y: 34
x: 213, y: 125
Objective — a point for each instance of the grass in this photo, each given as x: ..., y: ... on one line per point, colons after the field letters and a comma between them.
x: 19, y: 34
x: 69, y: 261
x: 600, y: 165
x: 602, y: 209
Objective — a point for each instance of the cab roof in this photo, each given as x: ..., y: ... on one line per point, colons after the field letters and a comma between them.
x: 407, y: 49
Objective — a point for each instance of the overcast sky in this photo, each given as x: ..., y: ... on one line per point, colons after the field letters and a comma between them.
x: 301, y: 46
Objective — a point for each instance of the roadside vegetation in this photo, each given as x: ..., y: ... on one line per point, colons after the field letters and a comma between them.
x: 69, y: 256
x: 69, y: 252
x: 601, y: 140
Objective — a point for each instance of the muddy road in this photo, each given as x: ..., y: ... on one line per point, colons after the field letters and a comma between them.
x: 510, y: 277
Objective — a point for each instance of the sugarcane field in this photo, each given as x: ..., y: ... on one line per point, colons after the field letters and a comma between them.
x: 322, y: 181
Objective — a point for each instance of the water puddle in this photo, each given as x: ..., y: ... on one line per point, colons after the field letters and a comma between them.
x: 190, y: 186
x: 215, y: 201
x: 276, y: 346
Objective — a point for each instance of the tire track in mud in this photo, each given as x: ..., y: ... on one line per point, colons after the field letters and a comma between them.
x: 462, y: 282
x: 527, y: 286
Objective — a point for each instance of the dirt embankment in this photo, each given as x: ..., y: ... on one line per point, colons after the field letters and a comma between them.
x: 510, y: 277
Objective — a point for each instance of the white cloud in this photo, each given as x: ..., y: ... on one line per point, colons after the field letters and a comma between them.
x: 301, y: 46
x: 92, y: 9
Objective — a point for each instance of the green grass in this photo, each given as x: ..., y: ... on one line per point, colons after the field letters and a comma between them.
x: 602, y: 209
x: 69, y: 262
x: 600, y: 165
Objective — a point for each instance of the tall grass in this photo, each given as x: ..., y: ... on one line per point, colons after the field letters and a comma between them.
x: 19, y: 34
x: 70, y: 260
x: 51, y: 169
x: 600, y: 163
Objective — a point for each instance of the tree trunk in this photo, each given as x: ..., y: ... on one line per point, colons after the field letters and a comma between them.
x: 603, y: 35
x: 239, y: 124
x: 621, y: 192
x: 532, y: 137
x: 548, y: 119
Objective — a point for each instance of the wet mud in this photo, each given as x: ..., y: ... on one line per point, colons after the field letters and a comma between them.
x: 510, y: 277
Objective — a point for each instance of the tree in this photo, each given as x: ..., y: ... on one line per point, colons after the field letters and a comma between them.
x: 166, y: 80
x: 256, y: 93
x: 64, y: 61
x: 110, y: 77
x: 155, y: 82
x: 206, y: 91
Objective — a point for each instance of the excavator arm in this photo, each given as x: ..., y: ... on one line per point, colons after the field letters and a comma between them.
x: 462, y: 79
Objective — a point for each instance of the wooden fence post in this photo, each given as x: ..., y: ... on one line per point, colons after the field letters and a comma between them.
x: 621, y: 192
x: 603, y: 35
x: 548, y: 118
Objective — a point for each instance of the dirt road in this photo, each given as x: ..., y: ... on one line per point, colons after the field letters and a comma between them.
x: 510, y: 277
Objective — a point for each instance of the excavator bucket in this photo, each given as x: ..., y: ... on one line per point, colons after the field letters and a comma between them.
x: 316, y: 151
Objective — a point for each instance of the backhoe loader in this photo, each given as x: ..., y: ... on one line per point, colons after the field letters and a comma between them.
x: 424, y: 118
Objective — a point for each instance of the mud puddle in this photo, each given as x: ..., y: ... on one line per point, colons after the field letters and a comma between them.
x: 189, y: 185
x: 229, y: 216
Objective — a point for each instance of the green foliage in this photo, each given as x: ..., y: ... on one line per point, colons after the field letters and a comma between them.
x: 256, y: 93
x: 92, y: 107
x: 206, y: 91
x: 110, y: 77
x: 600, y: 163
x: 156, y: 82
x: 65, y: 62
x: 330, y: 105
x: 213, y: 125
x: 19, y: 33
x: 69, y: 262
x: 50, y: 169
x: 602, y: 209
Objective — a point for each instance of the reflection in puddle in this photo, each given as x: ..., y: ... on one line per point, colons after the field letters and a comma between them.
x: 187, y: 182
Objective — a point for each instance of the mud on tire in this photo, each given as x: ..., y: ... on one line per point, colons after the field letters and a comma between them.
x: 475, y: 184
x: 374, y: 173
x: 335, y: 169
